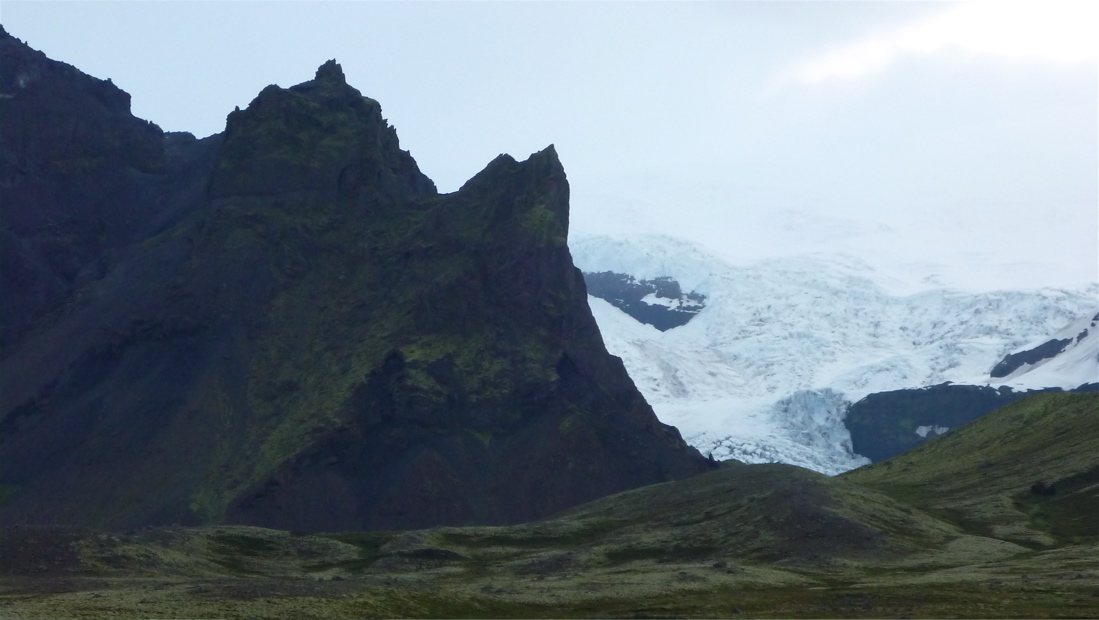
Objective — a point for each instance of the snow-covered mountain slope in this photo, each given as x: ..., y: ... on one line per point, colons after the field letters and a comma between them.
x: 1066, y: 359
x: 764, y: 372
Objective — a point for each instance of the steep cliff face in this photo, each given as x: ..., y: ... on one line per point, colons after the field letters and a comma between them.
x: 312, y: 338
x: 83, y: 180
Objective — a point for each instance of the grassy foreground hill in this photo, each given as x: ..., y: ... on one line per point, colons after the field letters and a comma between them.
x: 952, y: 529
x: 1028, y: 474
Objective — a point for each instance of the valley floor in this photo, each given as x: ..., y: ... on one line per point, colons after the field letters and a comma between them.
x: 251, y: 573
x: 996, y: 519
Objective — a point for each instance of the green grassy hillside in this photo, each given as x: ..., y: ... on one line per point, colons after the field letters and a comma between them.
x: 994, y: 475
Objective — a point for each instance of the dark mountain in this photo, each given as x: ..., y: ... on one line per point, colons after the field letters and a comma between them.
x: 83, y: 181
x: 1015, y: 361
x: 286, y: 325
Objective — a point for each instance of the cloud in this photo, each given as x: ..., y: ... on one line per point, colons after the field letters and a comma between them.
x: 1062, y: 32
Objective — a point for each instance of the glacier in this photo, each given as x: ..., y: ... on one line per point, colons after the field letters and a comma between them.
x: 765, y: 371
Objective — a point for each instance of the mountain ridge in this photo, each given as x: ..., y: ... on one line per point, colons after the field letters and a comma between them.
x: 308, y: 335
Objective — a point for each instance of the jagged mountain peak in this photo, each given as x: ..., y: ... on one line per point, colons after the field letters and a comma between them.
x: 542, y: 163
x: 329, y: 85
x: 330, y: 71
x: 75, y: 168
x: 322, y: 137
x: 546, y: 220
x: 74, y: 105
x: 316, y: 339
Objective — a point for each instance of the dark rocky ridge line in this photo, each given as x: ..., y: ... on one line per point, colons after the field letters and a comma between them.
x: 99, y: 179
x: 1015, y: 361
x: 628, y: 294
x: 286, y: 325
x: 1047, y: 350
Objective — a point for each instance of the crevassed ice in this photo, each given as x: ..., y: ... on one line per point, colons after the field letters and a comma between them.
x: 763, y: 373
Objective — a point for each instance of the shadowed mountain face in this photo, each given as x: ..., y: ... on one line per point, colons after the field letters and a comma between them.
x: 1015, y: 361
x: 887, y: 424
x: 83, y: 180
x: 289, y: 327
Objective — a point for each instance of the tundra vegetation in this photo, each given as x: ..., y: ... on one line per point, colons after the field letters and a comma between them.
x: 954, y: 528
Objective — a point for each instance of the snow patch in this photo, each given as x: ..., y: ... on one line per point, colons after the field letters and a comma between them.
x: 653, y: 300
x: 922, y: 431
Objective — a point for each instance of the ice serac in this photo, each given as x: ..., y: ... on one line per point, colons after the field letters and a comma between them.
x: 318, y: 340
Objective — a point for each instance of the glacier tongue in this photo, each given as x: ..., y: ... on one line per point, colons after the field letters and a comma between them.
x: 805, y: 429
x: 764, y: 372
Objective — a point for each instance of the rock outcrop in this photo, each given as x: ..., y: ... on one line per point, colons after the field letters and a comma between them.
x: 659, y: 302
x: 886, y: 424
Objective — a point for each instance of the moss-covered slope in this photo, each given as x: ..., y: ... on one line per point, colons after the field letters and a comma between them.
x: 321, y: 341
x: 929, y: 538
x: 1028, y: 472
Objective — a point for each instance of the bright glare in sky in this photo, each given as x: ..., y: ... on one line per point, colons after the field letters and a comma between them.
x: 1051, y: 31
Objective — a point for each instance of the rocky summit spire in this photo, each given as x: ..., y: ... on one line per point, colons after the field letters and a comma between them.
x: 330, y: 71
x: 320, y: 137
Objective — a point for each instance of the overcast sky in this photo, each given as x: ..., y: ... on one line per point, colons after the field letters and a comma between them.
x: 957, y: 142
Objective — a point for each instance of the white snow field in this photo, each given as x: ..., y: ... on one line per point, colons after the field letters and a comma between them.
x: 764, y: 372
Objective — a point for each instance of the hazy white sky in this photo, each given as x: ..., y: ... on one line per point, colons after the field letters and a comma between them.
x: 932, y: 137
